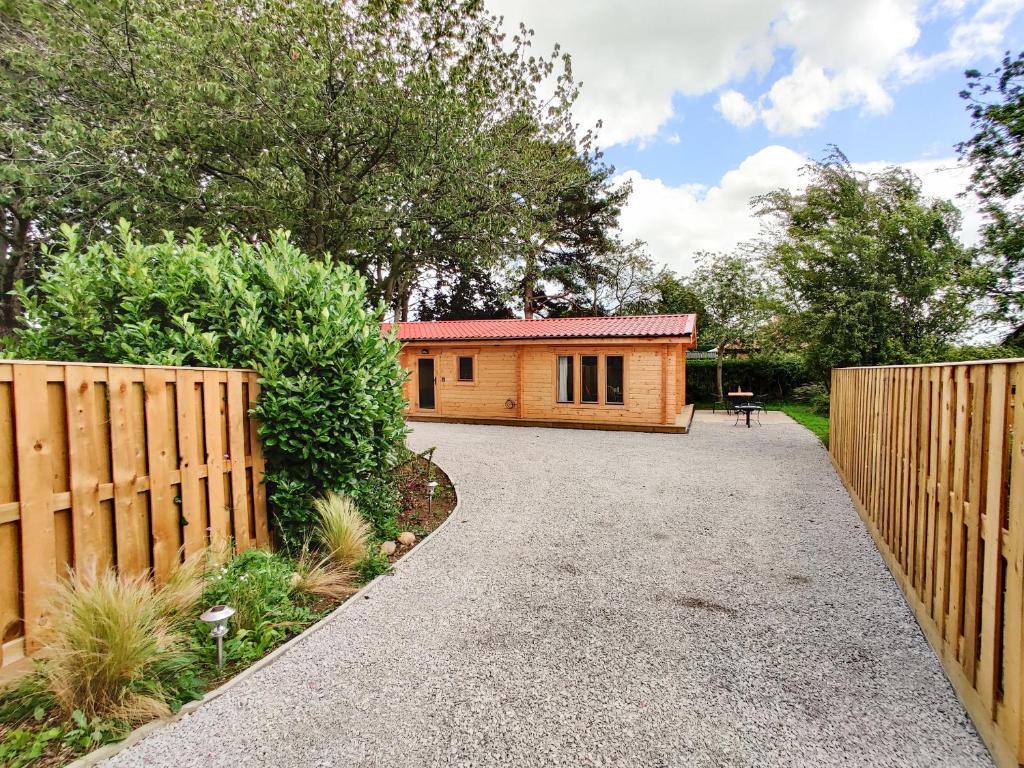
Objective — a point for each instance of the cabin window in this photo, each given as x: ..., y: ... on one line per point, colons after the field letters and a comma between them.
x: 565, y: 391
x: 588, y: 379
x: 614, y: 380
x: 465, y: 368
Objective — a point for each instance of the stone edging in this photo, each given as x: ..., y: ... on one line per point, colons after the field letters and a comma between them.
x: 109, y: 750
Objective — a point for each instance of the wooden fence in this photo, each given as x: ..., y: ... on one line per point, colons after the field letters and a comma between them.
x: 123, y: 466
x: 933, y: 456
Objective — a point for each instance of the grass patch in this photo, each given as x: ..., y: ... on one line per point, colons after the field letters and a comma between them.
x: 803, y: 415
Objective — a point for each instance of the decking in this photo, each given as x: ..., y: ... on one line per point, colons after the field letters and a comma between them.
x: 681, y: 424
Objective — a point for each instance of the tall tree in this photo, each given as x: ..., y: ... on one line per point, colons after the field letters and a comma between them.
x: 733, y: 295
x: 870, y: 271
x: 385, y: 133
x: 573, y: 228
x: 667, y: 294
x: 996, y: 153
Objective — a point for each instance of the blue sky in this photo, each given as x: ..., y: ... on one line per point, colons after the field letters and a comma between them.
x: 707, y: 102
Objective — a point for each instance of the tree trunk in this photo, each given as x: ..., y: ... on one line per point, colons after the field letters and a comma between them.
x: 718, y: 370
x: 14, y: 257
x: 528, y: 299
x: 406, y: 296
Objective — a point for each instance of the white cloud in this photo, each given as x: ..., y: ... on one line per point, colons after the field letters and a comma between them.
x: 677, y: 222
x: 634, y: 58
x: 735, y: 108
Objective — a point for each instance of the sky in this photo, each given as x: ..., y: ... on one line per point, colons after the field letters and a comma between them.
x: 705, y: 103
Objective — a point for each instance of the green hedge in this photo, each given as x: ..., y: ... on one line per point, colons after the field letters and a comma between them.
x: 331, y: 405
x: 774, y: 377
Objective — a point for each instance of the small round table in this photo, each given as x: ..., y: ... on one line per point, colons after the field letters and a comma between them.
x: 747, y: 409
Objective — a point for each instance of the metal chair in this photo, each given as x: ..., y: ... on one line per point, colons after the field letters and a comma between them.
x: 726, y: 405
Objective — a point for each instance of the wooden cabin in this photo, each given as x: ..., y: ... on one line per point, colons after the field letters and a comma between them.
x: 580, y: 372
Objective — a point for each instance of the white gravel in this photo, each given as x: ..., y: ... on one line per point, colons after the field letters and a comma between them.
x: 609, y: 598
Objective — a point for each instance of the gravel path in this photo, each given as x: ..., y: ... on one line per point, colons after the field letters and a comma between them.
x: 609, y: 598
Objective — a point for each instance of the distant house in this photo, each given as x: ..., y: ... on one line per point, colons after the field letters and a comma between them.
x: 582, y: 372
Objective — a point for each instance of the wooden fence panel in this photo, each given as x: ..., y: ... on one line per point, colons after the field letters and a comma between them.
x: 933, y: 457
x: 124, y: 466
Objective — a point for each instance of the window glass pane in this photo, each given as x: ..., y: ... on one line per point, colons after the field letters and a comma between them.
x: 614, y: 380
x: 465, y: 369
x: 588, y: 378
x: 565, y: 393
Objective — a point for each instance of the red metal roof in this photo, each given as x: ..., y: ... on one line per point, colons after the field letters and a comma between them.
x: 547, y: 328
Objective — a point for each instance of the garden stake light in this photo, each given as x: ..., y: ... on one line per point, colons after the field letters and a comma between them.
x: 431, y: 486
x: 217, y: 617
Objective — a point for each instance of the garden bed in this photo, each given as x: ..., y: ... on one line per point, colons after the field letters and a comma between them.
x: 36, y: 731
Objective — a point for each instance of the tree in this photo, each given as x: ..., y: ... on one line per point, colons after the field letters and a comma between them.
x: 666, y: 294
x: 732, y: 294
x: 996, y: 153
x: 573, y: 228
x: 464, y: 292
x: 385, y: 133
x: 870, y: 271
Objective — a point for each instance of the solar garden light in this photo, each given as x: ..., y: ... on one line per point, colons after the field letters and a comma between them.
x: 431, y: 487
x: 217, y: 617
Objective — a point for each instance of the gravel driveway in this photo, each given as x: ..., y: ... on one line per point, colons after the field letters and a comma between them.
x: 609, y: 598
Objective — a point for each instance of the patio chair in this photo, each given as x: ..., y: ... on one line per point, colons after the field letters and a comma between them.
x: 725, y: 404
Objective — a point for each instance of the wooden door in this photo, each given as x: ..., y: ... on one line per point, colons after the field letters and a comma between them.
x: 426, y: 380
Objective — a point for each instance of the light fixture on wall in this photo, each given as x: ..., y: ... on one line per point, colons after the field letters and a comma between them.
x: 424, y: 351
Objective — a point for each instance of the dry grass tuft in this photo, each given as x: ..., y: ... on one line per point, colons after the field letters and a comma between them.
x: 322, y: 578
x: 111, y: 638
x: 341, y: 529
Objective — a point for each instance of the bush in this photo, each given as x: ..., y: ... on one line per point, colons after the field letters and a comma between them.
x: 341, y: 529
x: 815, y: 396
x: 116, y: 643
x: 261, y: 587
x: 775, y: 376
x: 331, y: 407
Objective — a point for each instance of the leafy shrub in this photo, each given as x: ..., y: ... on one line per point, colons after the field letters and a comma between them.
x: 260, y: 586
x: 378, y: 501
x: 774, y: 376
x: 331, y: 406
x: 116, y: 643
x: 373, y: 565
x: 815, y: 396
x: 341, y: 529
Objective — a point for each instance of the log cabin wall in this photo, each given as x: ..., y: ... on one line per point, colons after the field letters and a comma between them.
x: 516, y: 380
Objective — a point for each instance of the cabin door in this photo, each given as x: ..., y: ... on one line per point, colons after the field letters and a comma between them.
x: 426, y: 378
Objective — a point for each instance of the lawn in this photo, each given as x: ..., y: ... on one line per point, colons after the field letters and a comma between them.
x: 802, y: 414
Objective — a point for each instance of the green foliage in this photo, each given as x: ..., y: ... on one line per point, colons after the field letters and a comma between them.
x: 259, y: 586
x: 23, y: 746
x: 373, y: 565
x: 870, y: 271
x: 815, y: 396
x: 377, y: 499
x: 963, y: 352
x: 773, y: 376
x: 666, y: 294
x: 394, y: 135
x: 996, y: 154
x: 330, y: 409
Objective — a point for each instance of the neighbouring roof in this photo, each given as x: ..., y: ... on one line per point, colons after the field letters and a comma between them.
x: 547, y: 328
